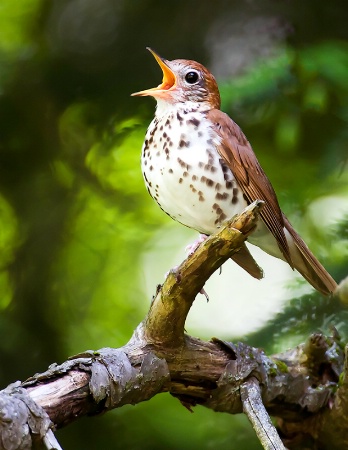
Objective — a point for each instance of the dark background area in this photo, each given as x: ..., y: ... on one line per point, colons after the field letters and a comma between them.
x: 75, y: 217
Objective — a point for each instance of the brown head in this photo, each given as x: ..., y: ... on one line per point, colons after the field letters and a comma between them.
x: 184, y: 81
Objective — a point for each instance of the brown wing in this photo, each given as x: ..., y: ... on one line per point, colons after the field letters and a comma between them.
x: 238, y: 154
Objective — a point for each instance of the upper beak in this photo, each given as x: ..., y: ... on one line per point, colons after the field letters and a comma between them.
x: 168, y: 81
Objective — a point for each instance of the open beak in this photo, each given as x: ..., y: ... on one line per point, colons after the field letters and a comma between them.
x: 168, y: 81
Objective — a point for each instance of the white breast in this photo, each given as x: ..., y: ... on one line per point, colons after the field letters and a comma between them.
x: 185, y: 174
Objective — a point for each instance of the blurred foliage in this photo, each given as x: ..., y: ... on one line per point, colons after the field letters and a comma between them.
x: 76, y: 218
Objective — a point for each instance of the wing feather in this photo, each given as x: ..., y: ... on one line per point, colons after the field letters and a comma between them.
x: 236, y: 151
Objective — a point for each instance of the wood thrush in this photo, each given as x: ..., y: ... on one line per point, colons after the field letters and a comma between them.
x: 201, y: 170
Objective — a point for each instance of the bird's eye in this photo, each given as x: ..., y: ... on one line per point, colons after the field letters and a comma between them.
x: 191, y: 77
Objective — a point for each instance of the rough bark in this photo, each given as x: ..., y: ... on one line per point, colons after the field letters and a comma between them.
x: 300, y: 387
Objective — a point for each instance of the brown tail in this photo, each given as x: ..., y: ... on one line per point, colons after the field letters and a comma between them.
x: 245, y: 260
x: 307, y: 264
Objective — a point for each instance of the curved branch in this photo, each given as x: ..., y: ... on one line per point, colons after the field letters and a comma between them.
x: 165, y: 321
x: 298, y: 386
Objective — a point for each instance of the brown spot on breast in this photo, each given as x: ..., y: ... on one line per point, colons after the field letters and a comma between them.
x: 185, y: 174
x: 201, y: 196
x: 235, y: 196
x: 223, y: 165
x: 180, y: 180
x: 170, y: 170
x: 215, y: 206
x: 208, y: 181
x: 183, y: 143
x: 153, y: 131
x: 229, y: 185
x: 193, y: 189
x: 151, y: 167
x: 195, y: 122
x: 217, y: 186
x: 223, y: 196
x: 180, y: 119
x: 183, y: 164
x: 194, y: 177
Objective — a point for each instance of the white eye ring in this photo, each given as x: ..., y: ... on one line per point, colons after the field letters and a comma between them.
x: 192, y: 77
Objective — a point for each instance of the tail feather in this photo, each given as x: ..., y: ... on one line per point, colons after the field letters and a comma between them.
x: 307, y: 264
x: 245, y: 260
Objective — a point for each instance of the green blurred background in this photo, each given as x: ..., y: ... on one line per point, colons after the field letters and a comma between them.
x: 83, y: 245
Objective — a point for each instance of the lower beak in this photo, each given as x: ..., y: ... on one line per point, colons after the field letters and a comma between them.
x: 168, y: 81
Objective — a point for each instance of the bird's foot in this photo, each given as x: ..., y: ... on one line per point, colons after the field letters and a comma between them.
x: 172, y: 270
x: 203, y: 292
x: 191, y: 248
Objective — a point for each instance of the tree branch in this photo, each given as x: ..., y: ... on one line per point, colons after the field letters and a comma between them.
x: 298, y: 387
x: 175, y: 298
x: 253, y: 407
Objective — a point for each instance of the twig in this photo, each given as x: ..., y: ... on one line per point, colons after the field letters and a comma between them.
x: 51, y: 442
x: 258, y: 416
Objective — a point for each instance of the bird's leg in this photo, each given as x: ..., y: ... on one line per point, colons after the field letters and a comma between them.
x: 204, y: 292
x: 192, y: 247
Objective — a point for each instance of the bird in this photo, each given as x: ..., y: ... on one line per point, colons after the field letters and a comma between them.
x: 200, y: 168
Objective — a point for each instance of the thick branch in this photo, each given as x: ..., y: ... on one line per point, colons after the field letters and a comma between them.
x: 214, y: 374
x: 298, y: 386
x: 166, y: 319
